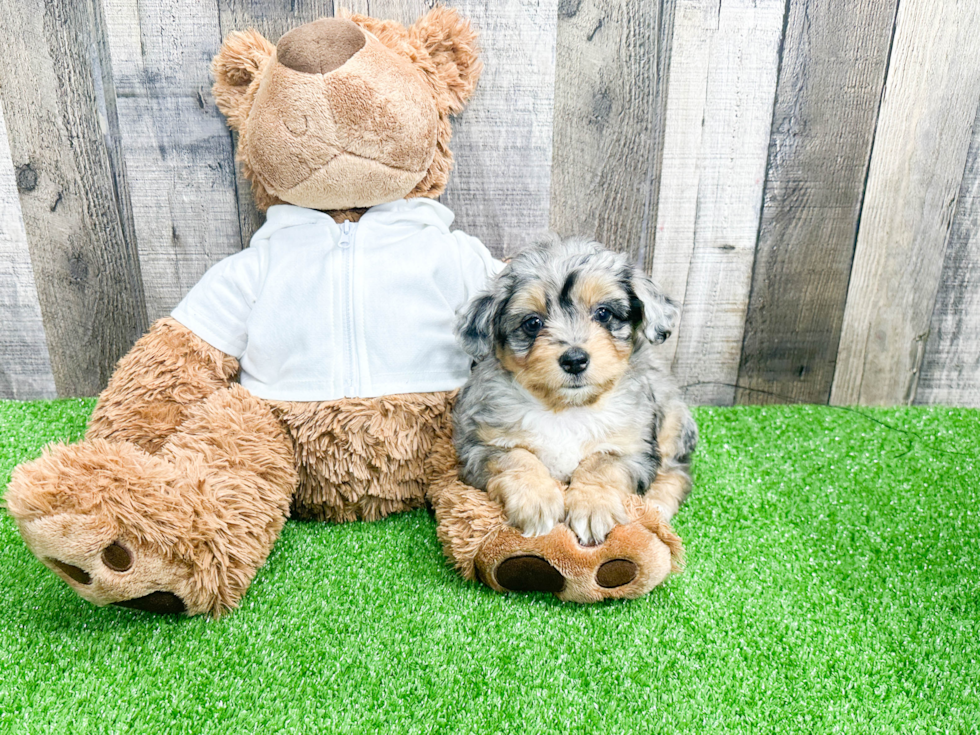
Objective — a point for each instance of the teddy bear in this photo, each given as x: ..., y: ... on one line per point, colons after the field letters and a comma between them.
x: 312, y: 374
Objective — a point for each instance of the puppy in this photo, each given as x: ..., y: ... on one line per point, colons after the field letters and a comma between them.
x: 566, y: 411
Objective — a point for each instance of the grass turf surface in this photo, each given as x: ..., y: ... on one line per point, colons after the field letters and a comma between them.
x: 832, y: 585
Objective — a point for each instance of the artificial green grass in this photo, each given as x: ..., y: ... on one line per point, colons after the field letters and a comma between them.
x: 831, y: 585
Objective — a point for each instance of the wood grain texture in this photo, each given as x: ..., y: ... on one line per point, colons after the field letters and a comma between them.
x: 683, y: 130
x: 501, y: 181
x: 177, y: 149
x: 719, y: 112
x: 500, y: 188
x: 832, y: 72
x: 916, y: 168
x: 610, y: 93
x: 63, y: 133
x: 25, y: 369
x: 951, y: 366
x: 271, y: 18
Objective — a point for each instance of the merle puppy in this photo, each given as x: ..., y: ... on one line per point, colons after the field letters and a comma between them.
x: 566, y: 410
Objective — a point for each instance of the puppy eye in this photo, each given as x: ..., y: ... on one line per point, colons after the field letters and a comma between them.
x: 532, y: 325
x: 602, y: 315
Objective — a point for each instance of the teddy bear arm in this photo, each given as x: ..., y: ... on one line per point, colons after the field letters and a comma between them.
x: 167, y: 372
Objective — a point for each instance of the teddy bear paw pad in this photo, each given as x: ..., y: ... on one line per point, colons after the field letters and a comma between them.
x: 76, y: 573
x: 529, y: 574
x: 616, y: 573
x: 165, y: 603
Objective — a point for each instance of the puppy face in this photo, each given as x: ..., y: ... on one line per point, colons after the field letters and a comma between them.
x: 564, y: 320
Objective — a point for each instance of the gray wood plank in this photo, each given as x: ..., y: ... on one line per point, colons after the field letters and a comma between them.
x: 610, y: 93
x: 25, y: 368
x: 719, y: 111
x: 677, y: 205
x: 500, y: 188
x: 179, y: 160
x: 832, y: 72
x: 271, y: 18
x: 60, y: 114
x: 951, y: 366
x: 916, y: 168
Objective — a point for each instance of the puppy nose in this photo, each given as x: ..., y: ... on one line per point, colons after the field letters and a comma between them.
x: 574, y: 361
x: 321, y: 46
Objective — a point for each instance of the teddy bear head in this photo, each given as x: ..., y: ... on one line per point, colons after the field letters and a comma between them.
x: 348, y: 112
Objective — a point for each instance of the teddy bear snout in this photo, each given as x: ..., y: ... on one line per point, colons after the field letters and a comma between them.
x: 321, y: 46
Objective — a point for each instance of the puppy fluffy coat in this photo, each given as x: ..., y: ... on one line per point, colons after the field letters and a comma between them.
x: 566, y: 410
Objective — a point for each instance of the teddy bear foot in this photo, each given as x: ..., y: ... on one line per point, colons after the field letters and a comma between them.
x: 633, y: 559
x: 77, y: 507
x: 184, y: 530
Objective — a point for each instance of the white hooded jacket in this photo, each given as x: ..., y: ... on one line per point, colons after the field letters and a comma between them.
x: 317, y: 311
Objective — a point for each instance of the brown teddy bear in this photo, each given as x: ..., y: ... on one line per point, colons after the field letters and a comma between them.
x: 338, y: 320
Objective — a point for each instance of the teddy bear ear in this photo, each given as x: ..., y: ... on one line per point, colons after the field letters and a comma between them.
x: 452, y: 46
x: 234, y: 67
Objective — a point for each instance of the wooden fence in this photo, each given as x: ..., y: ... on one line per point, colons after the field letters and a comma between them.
x: 802, y: 175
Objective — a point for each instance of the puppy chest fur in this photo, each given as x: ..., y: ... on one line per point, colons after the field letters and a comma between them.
x: 561, y: 440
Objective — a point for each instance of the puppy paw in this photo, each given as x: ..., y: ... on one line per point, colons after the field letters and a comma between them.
x: 591, y: 516
x: 536, y: 511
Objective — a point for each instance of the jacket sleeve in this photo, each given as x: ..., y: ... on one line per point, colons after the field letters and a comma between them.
x: 478, y: 265
x: 218, y: 307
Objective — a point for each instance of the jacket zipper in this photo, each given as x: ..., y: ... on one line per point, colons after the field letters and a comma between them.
x: 351, y: 382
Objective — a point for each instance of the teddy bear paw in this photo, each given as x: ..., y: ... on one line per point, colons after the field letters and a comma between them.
x: 86, y: 512
x: 634, y: 558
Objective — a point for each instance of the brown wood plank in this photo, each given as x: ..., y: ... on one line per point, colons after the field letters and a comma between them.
x: 719, y: 113
x: 271, y: 18
x: 951, y: 367
x: 500, y: 188
x: 920, y: 148
x: 59, y: 109
x: 831, y: 76
x: 25, y: 368
x: 179, y: 160
x: 610, y: 92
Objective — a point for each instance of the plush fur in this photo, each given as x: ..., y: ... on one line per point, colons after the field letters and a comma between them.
x: 372, y: 130
x: 184, y: 481
x: 198, y: 518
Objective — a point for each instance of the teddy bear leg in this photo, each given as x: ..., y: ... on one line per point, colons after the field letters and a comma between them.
x: 157, y: 383
x: 183, y: 530
x: 634, y: 558
x: 475, y: 536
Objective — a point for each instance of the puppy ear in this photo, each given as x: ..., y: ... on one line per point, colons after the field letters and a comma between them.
x: 474, y: 326
x: 234, y: 67
x: 452, y: 46
x: 651, y: 311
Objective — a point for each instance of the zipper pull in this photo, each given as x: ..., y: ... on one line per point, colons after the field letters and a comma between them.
x: 346, y: 232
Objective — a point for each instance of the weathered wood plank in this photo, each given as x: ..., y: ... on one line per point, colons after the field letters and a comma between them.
x: 25, y: 369
x: 951, y: 366
x: 500, y: 189
x: 719, y: 112
x: 683, y: 130
x: 501, y: 182
x: 832, y: 72
x: 59, y: 109
x: 179, y: 160
x: 271, y: 18
x: 610, y: 93
x: 916, y: 167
